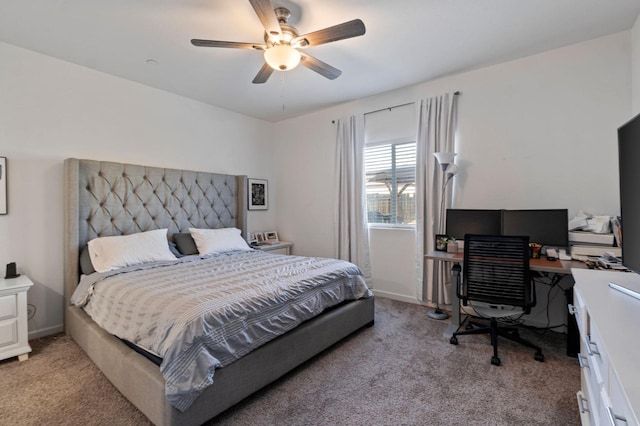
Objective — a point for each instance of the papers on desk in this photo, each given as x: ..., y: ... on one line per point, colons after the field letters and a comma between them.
x: 596, y: 236
x: 593, y: 250
x: 609, y: 261
x: 584, y: 237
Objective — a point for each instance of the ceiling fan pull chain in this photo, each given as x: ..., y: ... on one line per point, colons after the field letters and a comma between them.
x: 282, y: 90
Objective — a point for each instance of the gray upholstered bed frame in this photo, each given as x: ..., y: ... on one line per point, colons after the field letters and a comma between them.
x: 104, y: 198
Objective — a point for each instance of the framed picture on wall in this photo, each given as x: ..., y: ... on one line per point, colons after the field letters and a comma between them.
x: 3, y: 185
x: 258, y: 194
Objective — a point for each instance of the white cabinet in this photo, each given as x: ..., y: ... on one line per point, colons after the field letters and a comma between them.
x: 281, y: 247
x: 608, y: 321
x: 14, y: 338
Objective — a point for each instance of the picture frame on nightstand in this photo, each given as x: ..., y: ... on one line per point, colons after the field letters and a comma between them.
x: 441, y: 242
x: 253, y: 238
x: 271, y: 237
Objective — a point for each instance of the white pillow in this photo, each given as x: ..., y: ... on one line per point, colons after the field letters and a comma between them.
x: 108, y: 253
x: 218, y: 240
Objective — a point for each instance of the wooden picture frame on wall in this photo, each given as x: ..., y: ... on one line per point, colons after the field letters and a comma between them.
x: 3, y: 186
x: 258, y: 193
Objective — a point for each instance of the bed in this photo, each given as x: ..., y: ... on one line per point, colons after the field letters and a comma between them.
x: 105, y: 199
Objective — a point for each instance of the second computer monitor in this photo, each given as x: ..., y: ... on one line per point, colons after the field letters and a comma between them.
x: 546, y: 227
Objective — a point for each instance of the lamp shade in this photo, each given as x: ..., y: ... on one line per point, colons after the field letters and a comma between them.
x: 445, y: 158
x: 282, y: 57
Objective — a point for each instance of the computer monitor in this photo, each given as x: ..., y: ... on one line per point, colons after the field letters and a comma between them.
x: 470, y: 221
x: 629, y: 160
x: 547, y: 227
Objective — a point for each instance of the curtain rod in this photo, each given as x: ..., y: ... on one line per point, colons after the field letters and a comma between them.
x: 392, y: 107
x: 388, y: 108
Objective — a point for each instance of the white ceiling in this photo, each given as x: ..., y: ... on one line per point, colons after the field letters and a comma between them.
x: 407, y: 42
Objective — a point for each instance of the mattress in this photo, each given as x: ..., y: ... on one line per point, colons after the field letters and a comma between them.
x: 202, y: 313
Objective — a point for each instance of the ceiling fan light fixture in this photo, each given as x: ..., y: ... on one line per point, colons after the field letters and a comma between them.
x: 282, y: 40
x: 282, y: 57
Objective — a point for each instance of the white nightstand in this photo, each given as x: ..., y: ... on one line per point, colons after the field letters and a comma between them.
x: 281, y: 247
x: 14, y: 337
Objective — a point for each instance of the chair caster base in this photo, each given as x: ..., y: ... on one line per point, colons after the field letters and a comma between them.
x: 453, y: 340
x: 495, y: 360
x: 538, y: 357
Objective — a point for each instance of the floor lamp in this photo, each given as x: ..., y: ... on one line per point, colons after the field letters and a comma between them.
x: 449, y: 169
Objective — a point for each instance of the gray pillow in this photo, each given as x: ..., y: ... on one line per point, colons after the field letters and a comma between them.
x: 185, y: 243
x: 85, y: 262
x: 174, y: 249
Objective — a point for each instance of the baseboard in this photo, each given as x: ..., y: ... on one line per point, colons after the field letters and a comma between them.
x: 36, y: 334
x: 395, y: 296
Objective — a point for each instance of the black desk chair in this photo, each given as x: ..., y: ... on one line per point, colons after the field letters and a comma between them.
x: 496, y: 274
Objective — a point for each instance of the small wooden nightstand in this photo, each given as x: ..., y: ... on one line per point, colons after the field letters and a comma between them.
x: 281, y: 247
x: 14, y: 337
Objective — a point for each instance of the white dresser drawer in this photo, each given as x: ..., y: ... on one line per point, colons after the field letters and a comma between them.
x: 14, y: 331
x: 8, y: 307
x: 8, y: 332
x: 585, y: 411
x: 598, y: 355
x: 580, y: 312
x: 281, y: 247
x: 588, y: 401
x: 591, y: 371
x: 280, y: 251
x: 620, y: 413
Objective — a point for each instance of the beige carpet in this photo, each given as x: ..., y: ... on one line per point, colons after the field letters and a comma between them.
x: 399, y: 372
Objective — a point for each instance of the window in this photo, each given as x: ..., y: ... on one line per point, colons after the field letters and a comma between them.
x: 391, y: 182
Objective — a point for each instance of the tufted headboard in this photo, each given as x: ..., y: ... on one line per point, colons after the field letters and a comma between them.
x: 105, y: 199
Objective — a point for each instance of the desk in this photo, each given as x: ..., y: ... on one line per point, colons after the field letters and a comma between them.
x: 561, y: 267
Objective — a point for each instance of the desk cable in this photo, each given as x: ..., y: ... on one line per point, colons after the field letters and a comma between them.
x: 551, y: 280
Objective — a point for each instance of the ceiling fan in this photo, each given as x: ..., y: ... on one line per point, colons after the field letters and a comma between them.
x: 282, y: 42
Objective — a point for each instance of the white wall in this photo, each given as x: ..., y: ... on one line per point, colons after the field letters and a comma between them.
x: 51, y: 110
x: 538, y: 132
x: 635, y: 66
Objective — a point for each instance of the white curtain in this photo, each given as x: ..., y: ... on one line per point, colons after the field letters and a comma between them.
x: 352, y: 231
x: 437, y: 124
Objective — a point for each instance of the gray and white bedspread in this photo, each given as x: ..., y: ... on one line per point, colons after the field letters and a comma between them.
x: 201, y: 313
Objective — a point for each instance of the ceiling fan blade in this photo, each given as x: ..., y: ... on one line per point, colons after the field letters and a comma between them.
x: 263, y: 75
x: 267, y: 16
x: 342, y: 31
x: 320, y: 67
x: 231, y: 44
